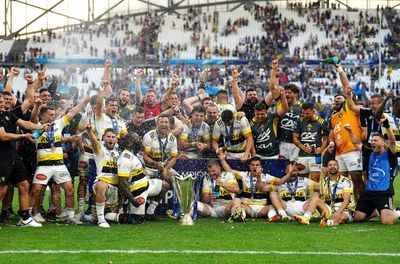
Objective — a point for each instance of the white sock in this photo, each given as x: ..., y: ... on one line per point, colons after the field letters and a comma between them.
x: 282, y: 212
x: 329, y: 223
x: 81, y: 204
x: 271, y: 213
x: 200, y: 207
x: 308, y: 215
x: 100, y: 211
x: 71, y: 212
x: 152, y: 207
x: 113, y: 217
x: 396, y: 214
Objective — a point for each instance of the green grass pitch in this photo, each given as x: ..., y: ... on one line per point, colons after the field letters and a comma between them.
x: 208, y: 241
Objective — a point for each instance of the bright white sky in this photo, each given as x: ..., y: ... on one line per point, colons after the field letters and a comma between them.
x: 78, y: 8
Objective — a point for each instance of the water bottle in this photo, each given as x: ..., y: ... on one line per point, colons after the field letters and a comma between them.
x: 331, y: 60
x: 37, y: 133
x: 216, y: 191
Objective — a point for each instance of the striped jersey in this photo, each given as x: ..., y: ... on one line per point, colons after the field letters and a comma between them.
x: 222, y: 195
x: 300, y: 189
x: 106, y: 164
x: 160, y: 149
x: 250, y: 195
x: 233, y: 135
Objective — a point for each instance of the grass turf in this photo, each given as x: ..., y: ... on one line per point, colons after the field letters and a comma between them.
x: 206, y: 234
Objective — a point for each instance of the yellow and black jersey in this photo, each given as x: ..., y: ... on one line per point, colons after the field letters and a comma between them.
x: 299, y: 190
x: 106, y: 163
x: 160, y: 149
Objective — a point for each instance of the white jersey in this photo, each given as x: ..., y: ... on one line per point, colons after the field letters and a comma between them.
x: 223, y: 107
x: 250, y: 194
x: 222, y: 195
x: 99, y: 123
x: 336, y: 189
x: 233, y: 135
x: 298, y: 190
x: 49, y: 146
x: 160, y: 149
x: 106, y: 165
x: 132, y: 167
x: 193, y: 134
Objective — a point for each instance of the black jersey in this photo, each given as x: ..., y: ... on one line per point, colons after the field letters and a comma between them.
x: 311, y: 133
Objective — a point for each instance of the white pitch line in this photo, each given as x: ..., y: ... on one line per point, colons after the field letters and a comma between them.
x: 138, y: 251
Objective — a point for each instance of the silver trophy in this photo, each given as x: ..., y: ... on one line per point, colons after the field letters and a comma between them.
x: 185, y: 194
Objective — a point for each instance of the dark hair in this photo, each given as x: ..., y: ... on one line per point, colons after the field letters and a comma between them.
x: 138, y: 109
x: 307, y: 105
x: 131, y: 141
x: 44, y: 109
x: 250, y: 90
x: 43, y: 90
x: 226, y: 115
x: 260, y: 106
x: 254, y: 159
x: 292, y: 87
x: 151, y: 91
x: 336, y: 95
x: 377, y: 134
x: 163, y: 116
x: 124, y: 89
x: 198, y: 109
x: 377, y: 96
x: 111, y: 99
x: 395, y: 99
x: 108, y: 130
x: 222, y: 92
x: 5, y: 93
x: 212, y: 163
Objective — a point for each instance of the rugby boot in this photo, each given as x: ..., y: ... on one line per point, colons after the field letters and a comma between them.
x: 301, y: 219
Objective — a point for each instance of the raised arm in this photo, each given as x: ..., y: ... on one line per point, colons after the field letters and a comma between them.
x: 138, y: 86
x: 238, y: 96
x: 382, y: 105
x: 107, y: 77
x: 343, y: 78
x: 221, y: 155
x: 96, y: 145
x: 76, y: 109
x: 349, y: 99
x: 285, y: 107
x: 36, y: 111
x: 10, y: 82
x: 273, y: 82
x: 391, y: 136
x: 173, y: 84
x: 353, y: 138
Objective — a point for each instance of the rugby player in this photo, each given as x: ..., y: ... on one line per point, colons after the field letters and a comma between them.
x: 310, y: 136
x: 219, y: 192
x: 195, y: 137
x: 256, y: 185
x: 105, y: 186
x: 50, y: 163
x: 338, y: 197
x: 237, y: 136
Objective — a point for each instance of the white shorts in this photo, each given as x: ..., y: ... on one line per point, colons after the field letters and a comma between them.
x: 346, y: 211
x: 155, y: 186
x: 217, y: 210
x: 59, y: 173
x: 140, y: 210
x: 310, y: 165
x: 267, y: 158
x: 232, y: 155
x: 295, y: 208
x: 255, y: 209
x: 152, y: 173
x: 288, y: 150
x: 350, y: 161
x: 191, y: 154
x: 111, y: 193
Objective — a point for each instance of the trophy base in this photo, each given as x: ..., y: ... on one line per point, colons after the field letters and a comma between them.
x: 186, y: 220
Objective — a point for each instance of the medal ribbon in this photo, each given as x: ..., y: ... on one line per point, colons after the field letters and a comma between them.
x: 292, y: 192
x: 50, y: 135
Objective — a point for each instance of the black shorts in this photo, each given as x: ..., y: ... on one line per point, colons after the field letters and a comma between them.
x: 371, y: 200
x: 12, y: 171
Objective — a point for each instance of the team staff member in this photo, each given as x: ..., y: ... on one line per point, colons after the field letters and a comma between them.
x: 310, y: 136
x: 264, y: 128
x: 382, y: 164
x: 195, y: 137
x: 12, y: 168
x: 237, y: 136
x: 50, y: 161
x: 338, y: 196
x: 106, y: 182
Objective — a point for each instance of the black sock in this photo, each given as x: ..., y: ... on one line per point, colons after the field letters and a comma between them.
x: 24, y: 214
